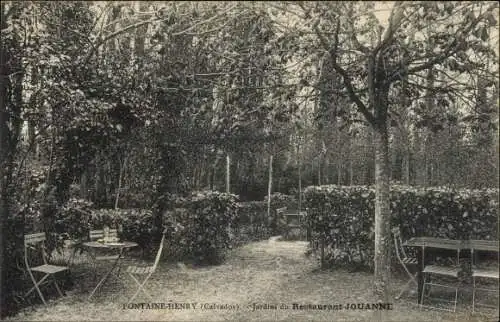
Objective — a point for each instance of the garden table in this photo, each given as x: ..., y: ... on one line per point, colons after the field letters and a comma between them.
x: 120, y: 246
x: 447, y: 244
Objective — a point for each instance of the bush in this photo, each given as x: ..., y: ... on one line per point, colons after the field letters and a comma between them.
x: 204, y: 221
x: 108, y: 217
x: 73, y: 219
x: 344, y: 216
x: 138, y: 226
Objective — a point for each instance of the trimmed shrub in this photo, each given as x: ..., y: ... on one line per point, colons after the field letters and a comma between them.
x: 344, y: 216
x: 137, y: 225
x: 203, y: 223
x: 108, y: 217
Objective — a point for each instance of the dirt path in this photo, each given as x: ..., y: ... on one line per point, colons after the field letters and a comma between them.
x: 273, y: 275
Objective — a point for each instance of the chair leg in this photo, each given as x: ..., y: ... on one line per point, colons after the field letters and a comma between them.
x: 423, y: 292
x: 456, y: 298
x: 405, y: 288
x: 57, y: 286
x: 140, y: 287
x: 473, y: 293
x: 37, y: 288
x: 94, y: 263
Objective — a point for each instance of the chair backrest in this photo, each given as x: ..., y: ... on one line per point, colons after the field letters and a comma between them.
x: 36, y: 241
x: 99, y: 233
x: 160, y: 250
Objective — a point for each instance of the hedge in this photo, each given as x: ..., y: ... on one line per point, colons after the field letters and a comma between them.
x: 206, y: 222
x: 203, y: 220
x: 344, y: 216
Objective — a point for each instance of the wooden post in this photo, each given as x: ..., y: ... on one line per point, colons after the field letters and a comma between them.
x: 322, y: 250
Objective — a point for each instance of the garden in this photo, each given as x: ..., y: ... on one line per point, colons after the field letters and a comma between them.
x: 262, y: 161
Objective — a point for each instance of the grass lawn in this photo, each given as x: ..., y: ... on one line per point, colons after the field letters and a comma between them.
x: 267, y: 272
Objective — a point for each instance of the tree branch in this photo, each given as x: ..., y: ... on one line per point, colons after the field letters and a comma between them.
x: 211, y: 30
x: 204, y: 21
x: 452, y: 48
x: 394, y: 22
x: 347, y: 81
x: 142, y: 23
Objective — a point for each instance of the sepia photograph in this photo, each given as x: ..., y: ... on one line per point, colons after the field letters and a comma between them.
x: 249, y: 161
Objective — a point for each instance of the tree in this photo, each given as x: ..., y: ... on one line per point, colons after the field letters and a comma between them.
x: 11, y: 110
x: 372, y: 65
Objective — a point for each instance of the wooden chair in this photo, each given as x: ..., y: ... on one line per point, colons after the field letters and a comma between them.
x: 482, y: 273
x: 146, y: 271
x: 446, y: 271
x: 404, y: 260
x: 36, y: 243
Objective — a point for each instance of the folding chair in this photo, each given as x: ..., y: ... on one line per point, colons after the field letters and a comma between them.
x: 404, y: 260
x: 482, y: 273
x: 446, y: 271
x: 145, y: 270
x: 36, y: 242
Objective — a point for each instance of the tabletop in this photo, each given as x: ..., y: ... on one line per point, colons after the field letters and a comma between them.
x: 295, y: 215
x: 433, y: 242
x: 444, y: 243
x: 122, y: 244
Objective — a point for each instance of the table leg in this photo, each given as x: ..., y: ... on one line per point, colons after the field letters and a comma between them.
x: 420, y: 275
x: 101, y: 282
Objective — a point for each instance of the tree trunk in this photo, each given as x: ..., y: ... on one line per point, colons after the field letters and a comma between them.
x: 406, y: 166
x: 214, y: 172
x: 319, y: 170
x: 120, y: 179
x: 11, y: 80
x: 4, y: 152
x: 326, y: 170
x: 269, y: 190
x: 300, y: 186
x: 228, y: 173
x: 382, y: 213
x: 339, y: 169
x: 350, y: 172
